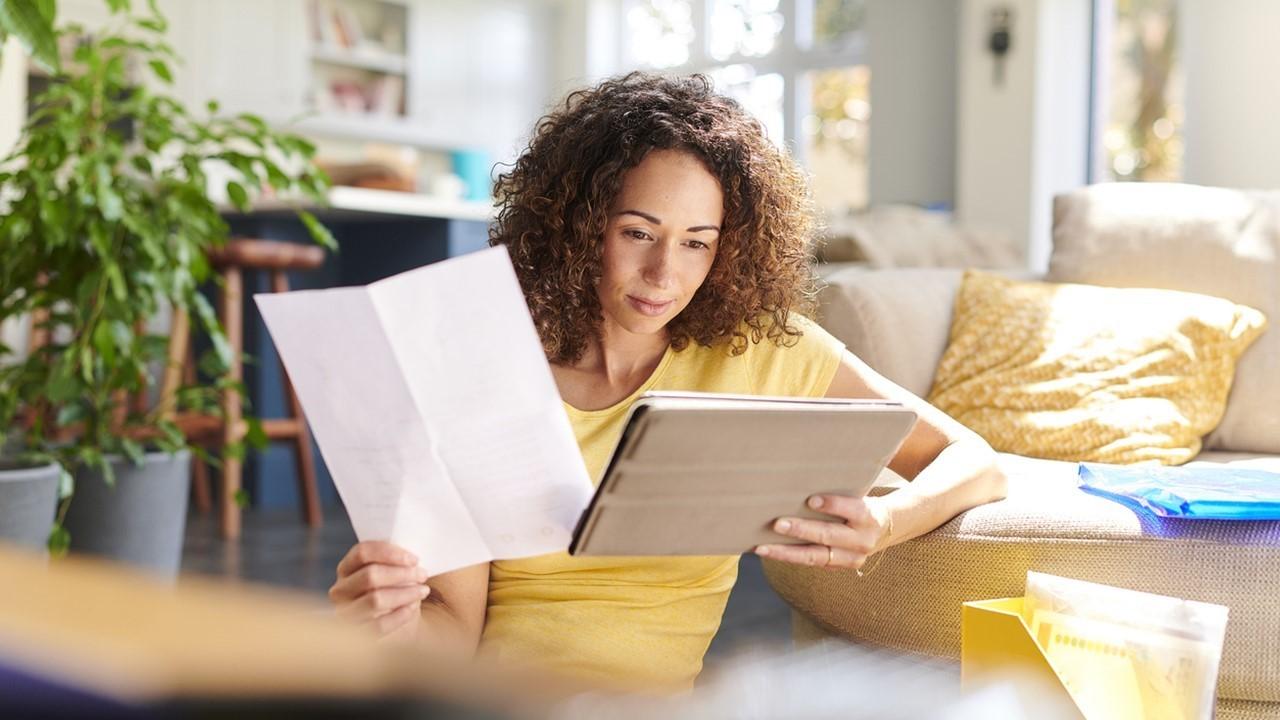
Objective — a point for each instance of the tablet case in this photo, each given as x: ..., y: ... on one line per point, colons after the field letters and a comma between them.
x: 707, y: 474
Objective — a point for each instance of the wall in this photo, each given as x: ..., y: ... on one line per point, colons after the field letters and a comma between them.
x: 912, y: 53
x: 488, y: 69
x: 1232, y: 97
x: 587, y: 44
x: 1025, y: 139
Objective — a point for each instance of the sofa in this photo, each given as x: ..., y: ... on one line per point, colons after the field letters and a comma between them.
x: 1212, y: 241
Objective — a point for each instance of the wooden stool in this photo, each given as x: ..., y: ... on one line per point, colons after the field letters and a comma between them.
x: 237, y: 256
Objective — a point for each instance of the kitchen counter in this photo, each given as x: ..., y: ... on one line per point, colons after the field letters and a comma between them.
x: 352, y: 203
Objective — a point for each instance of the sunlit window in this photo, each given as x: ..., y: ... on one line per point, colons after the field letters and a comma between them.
x: 761, y: 95
x: 798, y: 66
x: 837, y: 21
x: 836, y: 136
x: 1142, y: 132
x: 744, y: 27
x: 661, y: 32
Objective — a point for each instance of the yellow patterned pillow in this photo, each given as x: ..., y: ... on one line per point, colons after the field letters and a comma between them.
x: 1077, y: 372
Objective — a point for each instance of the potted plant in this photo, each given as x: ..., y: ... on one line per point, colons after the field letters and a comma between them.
x: 106, y: 218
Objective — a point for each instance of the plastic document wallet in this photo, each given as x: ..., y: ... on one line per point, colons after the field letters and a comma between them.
x: 1189, y: 492
x: 707, y: 474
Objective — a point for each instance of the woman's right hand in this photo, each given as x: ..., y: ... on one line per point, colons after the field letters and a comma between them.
x: 381, y: 585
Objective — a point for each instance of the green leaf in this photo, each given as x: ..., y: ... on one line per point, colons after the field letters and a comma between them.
x: 161, y: 70
x: 108, y: 472
x: 209, y: 319
x: 156, y: 25
x: 123, y: 336
x: 62, y: 388
x: 276, y: 176
x: 254, y: 121
x: 133, y: 450
x: 254, y: 434
x: 66, y: 483
x: 238, y: 196
x: 59, y: 541
x: 304, y: 146
x: 69, y: 413
x: 119, y: 288
x: 104, y: 343
x: 242, y: 498
x: 212, y: 106
x: 86, y: 365
x: 109, y: 202
x: 28, y: 22
x: 118, y: 6
x: 319, y: 232
x: 48, y: 10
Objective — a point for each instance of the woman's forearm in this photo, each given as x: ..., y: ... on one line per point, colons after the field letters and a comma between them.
x: 453, y: 615
x: 964, y: 475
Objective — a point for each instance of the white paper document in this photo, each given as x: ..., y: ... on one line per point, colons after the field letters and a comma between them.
x: 435, y: 411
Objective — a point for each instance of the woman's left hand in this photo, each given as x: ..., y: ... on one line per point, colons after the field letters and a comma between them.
x: 859, y: 528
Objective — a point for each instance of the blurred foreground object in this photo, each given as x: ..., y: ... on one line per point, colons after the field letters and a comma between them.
x: 82, y: 638
x: 830, y: 679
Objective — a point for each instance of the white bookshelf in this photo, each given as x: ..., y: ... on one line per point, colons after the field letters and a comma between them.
x: 358, y: 63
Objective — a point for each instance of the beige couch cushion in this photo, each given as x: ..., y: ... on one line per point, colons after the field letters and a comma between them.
x: 894, y: 320
x: 1212, y: 241
x: 910, y: 600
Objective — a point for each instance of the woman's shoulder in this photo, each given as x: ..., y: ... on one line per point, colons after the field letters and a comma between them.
x: 798, y: 358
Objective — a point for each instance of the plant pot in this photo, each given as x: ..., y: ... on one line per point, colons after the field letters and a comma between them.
x: 141, y: 520
x: 28, y: 501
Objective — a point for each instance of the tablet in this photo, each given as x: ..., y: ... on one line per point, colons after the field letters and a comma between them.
x: 707, y: 474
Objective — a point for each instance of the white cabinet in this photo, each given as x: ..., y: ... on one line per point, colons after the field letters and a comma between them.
x: 477, y: 73
x: 250, y: 55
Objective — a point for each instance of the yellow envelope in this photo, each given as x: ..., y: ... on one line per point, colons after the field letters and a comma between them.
x: 997, y: 644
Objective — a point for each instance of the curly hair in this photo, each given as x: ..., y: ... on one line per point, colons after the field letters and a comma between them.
x: 556, y: 198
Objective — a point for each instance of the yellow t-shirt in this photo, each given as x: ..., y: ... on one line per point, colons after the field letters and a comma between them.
x: 641, y: 621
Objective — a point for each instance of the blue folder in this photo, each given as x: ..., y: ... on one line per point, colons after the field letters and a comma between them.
x: 1208, y: 493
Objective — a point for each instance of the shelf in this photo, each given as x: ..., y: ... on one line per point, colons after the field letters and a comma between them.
x: 373, y: 128
x: 361, y: 60
x: 389, y: 202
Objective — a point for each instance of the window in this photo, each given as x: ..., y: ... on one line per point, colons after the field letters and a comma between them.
x: 799, y: 66
x: 749, y: 28
x: 1137, y: 133
x: 661, y: 32
x: 835, y: 135
x: 761, y: 95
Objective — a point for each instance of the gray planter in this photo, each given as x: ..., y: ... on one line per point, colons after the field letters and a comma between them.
x: 28, y: 500
x: 141, y: 520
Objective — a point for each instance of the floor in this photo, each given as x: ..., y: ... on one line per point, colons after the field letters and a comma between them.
x: 276, y: 548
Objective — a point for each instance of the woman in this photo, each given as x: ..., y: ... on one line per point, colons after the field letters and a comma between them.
x: 662, y: 242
